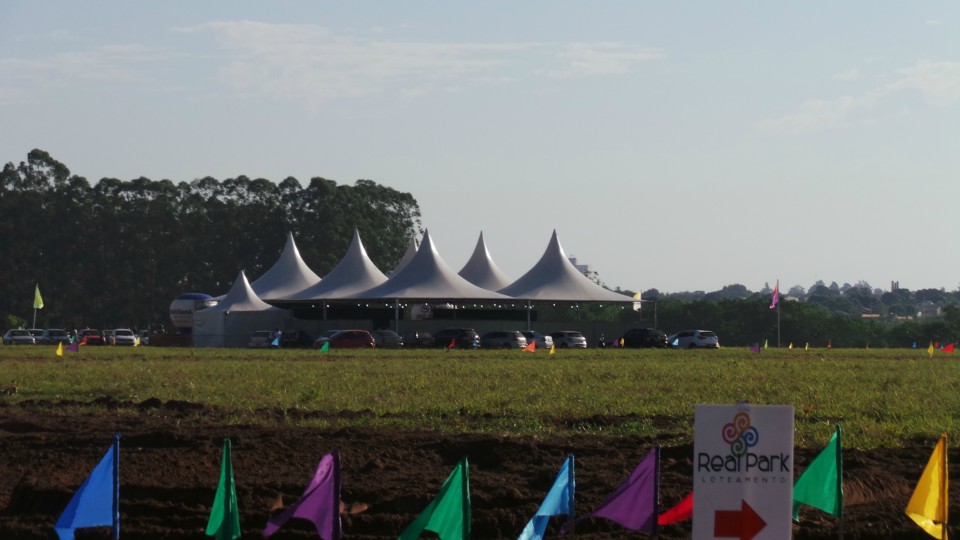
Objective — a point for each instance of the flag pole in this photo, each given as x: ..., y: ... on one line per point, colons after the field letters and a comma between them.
x: 778, y: 323
x: 116, y: 486
x: 943, y: 489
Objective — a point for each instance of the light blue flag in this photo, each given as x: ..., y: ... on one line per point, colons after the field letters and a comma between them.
x: 96, y: 502
x: 676, y: 342
x: 275, y: 342
x: 559, y: 501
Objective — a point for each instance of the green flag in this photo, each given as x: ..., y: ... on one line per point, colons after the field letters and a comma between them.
x: 449, y: 514
x: 326, y: 347
x: 224, y: 523
x: 821, y: 485
x: 37, y: 300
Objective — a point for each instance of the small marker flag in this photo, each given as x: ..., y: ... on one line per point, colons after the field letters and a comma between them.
x: 60, y: 349
x: 676, y: 342
x: 755, y: 348
x: 453, y: 343
x: 136, y: 341
x: 558, y: 502
x: 634, y: 504
x: 766, y: 343
x: 320, y: 502
x: 948, y: 348
x: 325, y: 347
x: 928, y: 505
x: 621, y: 342
x: 449, y: 514
x: 914, y: 344
x: 531, y: 347
x: 224, y: 522
x: 97, y: 502
x: 806, y: 347
x: 75, y: 346
x: 553, y: 349
x: 791, y: 345
x: 683, y: 511
x: 930, y: 350
x: 821, y: 484
x: 275, y: 342
x: 830, y: 344
x: 776, y: 296
x: 37, y: 299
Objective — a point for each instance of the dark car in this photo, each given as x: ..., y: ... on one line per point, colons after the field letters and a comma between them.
x: 644, y: 338
x: 418, y: 340
x: 346, y: 339
x: 461, y: 338
x: 53, y: 336
x: 387, y: 339
x: 510, y: 339
x: 90, y: 336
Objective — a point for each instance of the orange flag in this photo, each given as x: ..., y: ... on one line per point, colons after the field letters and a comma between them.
x: 531, y: 347
x: 948, y: 348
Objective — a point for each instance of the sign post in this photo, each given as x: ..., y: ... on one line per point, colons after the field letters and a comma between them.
x: 743, y: 472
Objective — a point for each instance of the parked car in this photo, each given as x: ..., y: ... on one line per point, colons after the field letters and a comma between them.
x: 569, y: 338
x: 644, y: 337
x: 108, y: 337
x: 296, y: 340
x: 418, y: 340
x: 91, y: 336
x: 510, y: 339
x: 37, y: 333
x: 346, y: 339
x: 694, y: 339
x: 543, y: 341
x: 124, y: 336
x: 387, y: 339
x: 260, y: 339
x: 462, y: 338
x: 19, y: 336
x: 53, y: 336
x: 144, y: 337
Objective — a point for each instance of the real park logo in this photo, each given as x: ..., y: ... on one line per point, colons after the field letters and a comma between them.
x: 741, y: 437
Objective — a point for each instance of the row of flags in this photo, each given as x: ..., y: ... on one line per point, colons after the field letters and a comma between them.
x: 634, y: 505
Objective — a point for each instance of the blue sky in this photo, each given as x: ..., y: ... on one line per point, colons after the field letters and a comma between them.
x: 682, y: 146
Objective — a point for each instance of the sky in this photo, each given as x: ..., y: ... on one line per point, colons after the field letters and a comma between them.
x: 680, y: 146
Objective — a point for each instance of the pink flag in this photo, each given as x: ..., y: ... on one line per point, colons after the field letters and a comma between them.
x: 776, y: 296
x: 320, y: 502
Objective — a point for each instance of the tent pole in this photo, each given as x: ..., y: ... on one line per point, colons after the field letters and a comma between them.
x: 529, y: 307
x: 396, y: 315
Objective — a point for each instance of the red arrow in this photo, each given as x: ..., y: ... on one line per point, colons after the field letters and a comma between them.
x: 743, y: 524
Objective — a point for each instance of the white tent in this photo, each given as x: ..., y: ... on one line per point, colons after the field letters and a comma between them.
x: 288, y: 276
x: 555, y: 278
x: 482, y: 271
x: 427, y: 277
x: 354, y: 274
x: 408, y: 255
x: 239, y: 314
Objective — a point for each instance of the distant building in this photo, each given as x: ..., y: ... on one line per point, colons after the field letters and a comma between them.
x: 583, y: 268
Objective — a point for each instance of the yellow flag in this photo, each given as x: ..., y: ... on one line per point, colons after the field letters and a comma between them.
x: 791, y: 345
x: 136, y: 341
x: 930, y: 350
x: 553, y: 349
x: 765, y: 343
x: 928, y: 505
x: 60, y: 349
x: 807, y: 346
x: 621, y: 342
x: 37, y: 300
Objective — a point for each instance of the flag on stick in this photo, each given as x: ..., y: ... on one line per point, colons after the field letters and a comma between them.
x: 930, y: 350
x: 821, y: 484
x: 325, y: 347
x: 449, y: 514
x: 558, y: 502
x: 60, y: 349
x: 37, y: 299
x: 755, y: 348
x: 453, y: 343
x: 791, y: 345
x: 635, y: 504
x: 75, y: 346
x: 928, y: 505
x: 776, y: 296
x: 553, y: 349
x: 531, y: 347
x: 766, y: 343
x: 224, y: 522
x: 683, y: 511
x: 320, y: 502
x: 96, y: 502
x: 807, y: 346
x: 948, y: 348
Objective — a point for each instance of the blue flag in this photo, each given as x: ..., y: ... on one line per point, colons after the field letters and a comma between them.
x: 559, y: 501
x: 96, y: 502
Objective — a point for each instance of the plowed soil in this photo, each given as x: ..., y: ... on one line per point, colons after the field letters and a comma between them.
x: 170, y: 465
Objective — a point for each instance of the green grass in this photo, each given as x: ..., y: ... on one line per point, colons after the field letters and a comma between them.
x: 882, y: 397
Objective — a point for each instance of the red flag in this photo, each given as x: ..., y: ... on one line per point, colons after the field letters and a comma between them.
x: 453, y: 343
x: 948, y: 348
x: 936, y: 344
x: 681, y: 512
x: 531, y: 347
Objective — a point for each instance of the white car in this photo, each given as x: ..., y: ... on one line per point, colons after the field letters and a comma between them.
x: 543, y: 341
x: 569, y: 338
x: 124, y: 336
x: 694, y: 339
x: 18, y: 336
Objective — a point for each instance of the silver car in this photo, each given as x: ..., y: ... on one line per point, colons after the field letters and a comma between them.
x: 543, y: 341
x: 124, y: 336
x: 694, y: 339
x: 569, y: 338
x: 18, y: 336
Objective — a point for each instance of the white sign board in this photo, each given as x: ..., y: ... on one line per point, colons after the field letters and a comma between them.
x: 742, y: 472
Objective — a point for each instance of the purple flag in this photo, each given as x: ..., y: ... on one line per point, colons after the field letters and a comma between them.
x: 776, y: 296
x: 755, y: 347
x: 635, y: 504
x: 75, y: 347
x: 320, y: 502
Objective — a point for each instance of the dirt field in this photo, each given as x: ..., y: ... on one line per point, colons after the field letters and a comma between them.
x: 170, y: 461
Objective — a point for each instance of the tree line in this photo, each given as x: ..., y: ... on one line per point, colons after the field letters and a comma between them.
x: 116, y: 253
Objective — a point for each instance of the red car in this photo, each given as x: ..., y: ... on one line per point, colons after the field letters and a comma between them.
x: 89, y: 336
x: 346, y: 339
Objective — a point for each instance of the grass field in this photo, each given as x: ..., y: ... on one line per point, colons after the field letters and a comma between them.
x: 882, y: 397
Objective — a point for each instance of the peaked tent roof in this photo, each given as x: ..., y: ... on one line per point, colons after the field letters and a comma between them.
x: 240, y: 298
x: 427, y: 276
x: 554, y: 277
x: 482, y: 271
x: 410, y: 253
x: 288, y: 276
x: 354, y: 274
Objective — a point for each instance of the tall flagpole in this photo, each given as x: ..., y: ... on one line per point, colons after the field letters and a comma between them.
x: 778, y: 323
